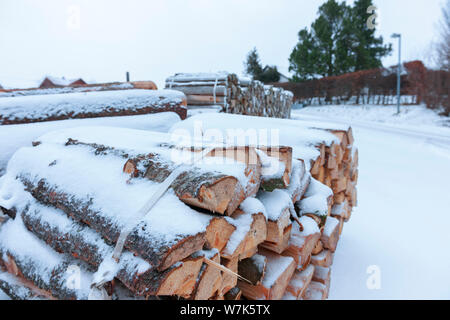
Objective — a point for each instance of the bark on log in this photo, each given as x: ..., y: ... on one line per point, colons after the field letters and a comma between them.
x: 275, y: 229
x: 162, y: 255
x: 300, y: 282
x: 278, y: 274
x: 255, y: 235
x: 323, y: 259
x: 316, y: 291
x: 282, y: 245
x: 284, y: 155
x: 234, y: 294
x: 82, y: 243
x: 208, y: 190
x: 253, y: 269
x: 330, y: 234
x: 16, y: 289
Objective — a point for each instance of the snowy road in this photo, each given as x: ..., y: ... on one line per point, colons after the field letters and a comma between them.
x: 401, y: 227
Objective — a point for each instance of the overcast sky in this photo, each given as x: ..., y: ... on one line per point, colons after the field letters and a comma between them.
x: 99, y: 40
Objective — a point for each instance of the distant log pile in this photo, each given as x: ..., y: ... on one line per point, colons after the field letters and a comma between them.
x: 237, y: 96
x: 216, y: 234
x: 147, y: 85
x: 93, y: 104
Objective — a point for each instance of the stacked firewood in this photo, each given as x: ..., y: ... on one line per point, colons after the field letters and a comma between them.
x: 236, y: 96
x: 243, y: 222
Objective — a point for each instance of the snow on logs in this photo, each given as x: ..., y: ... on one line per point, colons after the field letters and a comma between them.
x: 70, y: 195
x: 236, y: 96
x: 94, y: 104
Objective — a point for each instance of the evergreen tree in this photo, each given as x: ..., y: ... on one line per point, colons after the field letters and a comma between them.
x: 303, y: 60
x: 270, y: 74
x: 339, y: 41
x: 368, y: 49
x: 253, y: 65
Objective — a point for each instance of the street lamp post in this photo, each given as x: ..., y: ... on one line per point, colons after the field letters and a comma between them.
x: 399, y: 36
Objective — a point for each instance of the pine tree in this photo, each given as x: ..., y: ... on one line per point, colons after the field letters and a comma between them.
x: 339, y: 41
x: 368, y: 49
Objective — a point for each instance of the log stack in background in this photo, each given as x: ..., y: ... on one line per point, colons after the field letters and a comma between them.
x: 237, y: 96
x: 279, y: 233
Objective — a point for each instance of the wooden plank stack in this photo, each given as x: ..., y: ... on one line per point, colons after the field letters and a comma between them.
x: 236, y: 96
x: 70, y: 195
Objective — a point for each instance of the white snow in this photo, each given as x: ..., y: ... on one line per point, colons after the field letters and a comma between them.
x: 242, y: 223
x: 257, y: 131
x: 252, y: 206
x: 400, y: 229
x: 77, y: 173
x: 259, y: 261
x: 275, y: 202
x: 272, y: 168
x: 45, y: 106
x: 276, y: 265
x: 13, y: 137
x: 316, y: 188
x: 19, y: 93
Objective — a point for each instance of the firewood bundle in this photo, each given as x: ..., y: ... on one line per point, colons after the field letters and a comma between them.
x: 244, y: 222
x: 90, y: 104
x: 236, y: 96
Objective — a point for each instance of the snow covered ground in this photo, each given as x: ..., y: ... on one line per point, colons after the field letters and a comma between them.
x: 400, y: 231
x: 13, y: 137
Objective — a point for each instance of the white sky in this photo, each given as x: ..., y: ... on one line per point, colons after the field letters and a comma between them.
x: 155, y: 39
